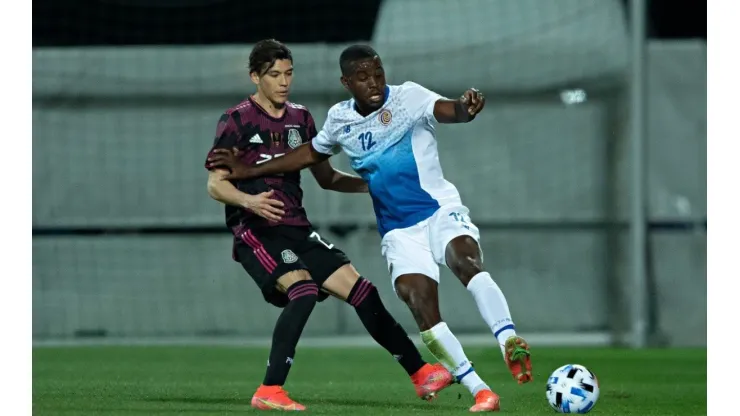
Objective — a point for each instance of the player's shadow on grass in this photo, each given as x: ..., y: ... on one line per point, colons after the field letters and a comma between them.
x: 319, y: 402
x: 380, y: 403
x: 202, y: 400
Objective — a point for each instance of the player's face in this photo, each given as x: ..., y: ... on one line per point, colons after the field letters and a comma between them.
x: 367, y: 84
x: 274, y: 84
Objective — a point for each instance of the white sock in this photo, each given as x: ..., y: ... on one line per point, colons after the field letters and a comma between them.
x: 492, y: 306
x: 447, y: 350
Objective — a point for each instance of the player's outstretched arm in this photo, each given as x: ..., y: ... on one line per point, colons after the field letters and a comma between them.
x: 225, y: 192
x: 335, y: 180
x: 461, y: 110
x: 303, y: 156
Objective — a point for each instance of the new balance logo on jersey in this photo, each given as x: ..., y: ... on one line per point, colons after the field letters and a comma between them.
x: 256, y: 139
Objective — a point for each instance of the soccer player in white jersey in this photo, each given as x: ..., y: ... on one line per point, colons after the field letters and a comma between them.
x: 388, y: 132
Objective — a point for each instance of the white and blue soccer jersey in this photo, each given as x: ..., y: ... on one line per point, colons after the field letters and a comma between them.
x: 394, y: 150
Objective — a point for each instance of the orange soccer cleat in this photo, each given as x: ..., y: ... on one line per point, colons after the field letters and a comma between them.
x: 486, y: 401
x: 274, y: 398
x: 517, y: 356
x: 431, y: 379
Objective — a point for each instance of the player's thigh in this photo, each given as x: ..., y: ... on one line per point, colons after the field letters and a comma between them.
x: 453, y: 223
x: 407, y: 251
x: 340, y: 283
x: 263, y: 256
x: 289, y: 279
x: 329, y: 266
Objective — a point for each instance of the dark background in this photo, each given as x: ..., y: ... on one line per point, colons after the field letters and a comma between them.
x: 187, y: 22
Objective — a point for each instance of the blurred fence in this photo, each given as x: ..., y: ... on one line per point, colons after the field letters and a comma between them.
x: 128, y: 244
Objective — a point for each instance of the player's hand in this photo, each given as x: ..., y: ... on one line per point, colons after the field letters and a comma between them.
x: 474, y: 101
x: 229, y: 159
x: 264, y: 206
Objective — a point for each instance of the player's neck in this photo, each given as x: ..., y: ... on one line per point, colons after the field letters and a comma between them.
x: 362, y: 111
x: 268, y: 106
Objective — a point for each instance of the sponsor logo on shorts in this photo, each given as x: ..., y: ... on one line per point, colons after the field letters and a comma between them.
x: 289, y: 257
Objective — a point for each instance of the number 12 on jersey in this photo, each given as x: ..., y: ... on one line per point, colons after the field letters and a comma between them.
x: 367, y: 140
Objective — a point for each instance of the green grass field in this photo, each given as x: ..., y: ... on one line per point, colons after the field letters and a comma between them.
x: 341, y: 381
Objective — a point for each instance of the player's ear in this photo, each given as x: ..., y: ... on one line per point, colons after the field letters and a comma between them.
x: 344, y: 82
x: 254, y: 77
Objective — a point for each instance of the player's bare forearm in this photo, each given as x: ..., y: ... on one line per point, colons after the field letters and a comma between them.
x: 302, y: 157
x: 451, y: 111
x: 261, y: 204
x: 461, y: 110
x: 224, y: 191
x: 344, y: 182
x: 329, y: 178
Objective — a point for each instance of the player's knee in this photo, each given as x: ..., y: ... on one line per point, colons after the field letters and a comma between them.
x: 464, y: 259
x: 465, y: 269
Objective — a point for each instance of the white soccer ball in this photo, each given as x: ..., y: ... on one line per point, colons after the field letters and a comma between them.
x: 572, y: 388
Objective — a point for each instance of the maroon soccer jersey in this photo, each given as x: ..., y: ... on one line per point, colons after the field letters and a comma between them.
x: 262, y: 137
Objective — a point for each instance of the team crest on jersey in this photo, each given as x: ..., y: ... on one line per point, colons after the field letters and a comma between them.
x: 385, y: 117
x: 289, y: 257
x: 294, y: 138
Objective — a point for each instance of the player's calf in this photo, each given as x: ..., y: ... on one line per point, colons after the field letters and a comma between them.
x: 302, y: 293
x: 419, y: 293
x: 428, y: 379
x: 302, y: 296
x: 381, y: 325
x: 463, y: 256
x: 361, y: 294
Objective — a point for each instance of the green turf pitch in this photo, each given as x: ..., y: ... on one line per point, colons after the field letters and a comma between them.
x: 345, y: 381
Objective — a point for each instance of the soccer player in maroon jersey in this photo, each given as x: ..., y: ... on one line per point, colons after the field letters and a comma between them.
x: 273, y: 239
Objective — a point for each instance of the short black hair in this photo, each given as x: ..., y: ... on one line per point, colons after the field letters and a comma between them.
x: 353, y: 54
x: 265, y: 53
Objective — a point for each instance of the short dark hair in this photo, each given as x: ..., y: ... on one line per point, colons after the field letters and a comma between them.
x: 353, y: 54
x: 265, y: 53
